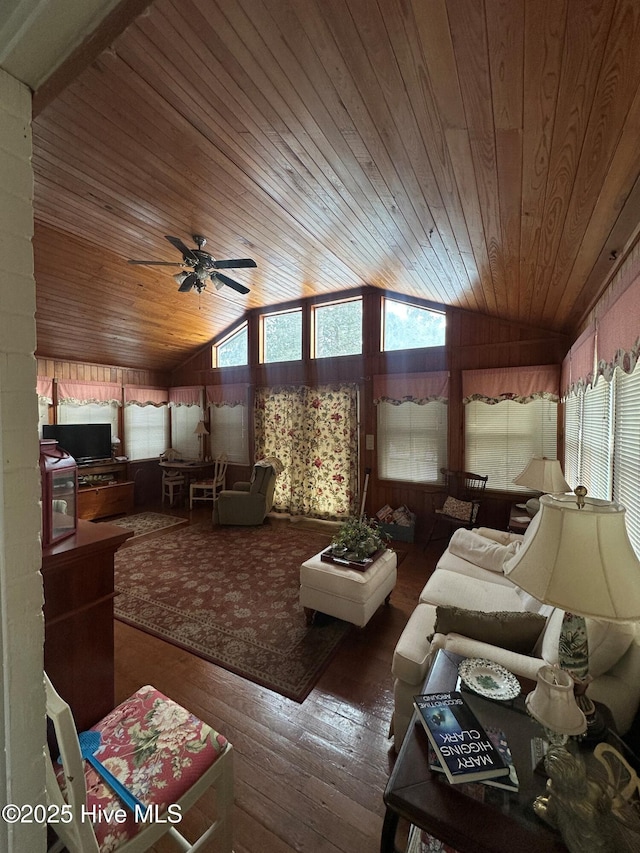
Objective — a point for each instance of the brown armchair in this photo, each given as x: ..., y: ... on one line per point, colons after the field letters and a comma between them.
x: 247, y: 503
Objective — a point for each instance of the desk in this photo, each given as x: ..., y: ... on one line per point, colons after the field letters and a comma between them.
x: 503, y: 822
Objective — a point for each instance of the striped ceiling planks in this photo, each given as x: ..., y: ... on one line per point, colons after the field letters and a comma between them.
x: 476, y: 153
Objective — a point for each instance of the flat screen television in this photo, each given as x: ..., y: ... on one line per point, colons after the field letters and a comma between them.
x: 85, y: 442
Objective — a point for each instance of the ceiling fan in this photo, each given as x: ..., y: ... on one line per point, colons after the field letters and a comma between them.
x: 201, y: 266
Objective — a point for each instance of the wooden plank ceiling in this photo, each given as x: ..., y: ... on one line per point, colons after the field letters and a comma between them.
x: 478, y: 154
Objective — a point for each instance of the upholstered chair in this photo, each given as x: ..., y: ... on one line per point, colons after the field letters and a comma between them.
x: 247, y: 503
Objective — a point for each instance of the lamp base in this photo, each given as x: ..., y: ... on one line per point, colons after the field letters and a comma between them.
x: 596, y: 727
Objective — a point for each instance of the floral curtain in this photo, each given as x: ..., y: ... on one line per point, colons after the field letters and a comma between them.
x: 314, y: 432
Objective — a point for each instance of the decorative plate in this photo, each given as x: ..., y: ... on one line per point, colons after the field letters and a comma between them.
x: 489, y: 679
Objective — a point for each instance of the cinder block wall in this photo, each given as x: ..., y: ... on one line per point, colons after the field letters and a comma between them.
x: 22, y: 727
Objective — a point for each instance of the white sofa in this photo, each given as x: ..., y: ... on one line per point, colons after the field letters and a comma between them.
x: 470, y: 575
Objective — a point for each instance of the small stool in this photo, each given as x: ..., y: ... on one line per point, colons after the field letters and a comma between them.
x: 345, y: 593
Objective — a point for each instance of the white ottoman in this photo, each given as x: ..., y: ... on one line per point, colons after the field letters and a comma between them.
x: 346, y: 593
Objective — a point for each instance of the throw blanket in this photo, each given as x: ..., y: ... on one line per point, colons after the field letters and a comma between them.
x: 482, y: 551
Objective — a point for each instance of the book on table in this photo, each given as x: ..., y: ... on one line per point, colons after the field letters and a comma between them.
x: 510, y: 782
x: 463, y: 748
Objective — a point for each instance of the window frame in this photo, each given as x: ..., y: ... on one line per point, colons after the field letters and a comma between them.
x: 238, y: 330
x: 410, y: 304
x: 268, y: 315
x: 317, y: 308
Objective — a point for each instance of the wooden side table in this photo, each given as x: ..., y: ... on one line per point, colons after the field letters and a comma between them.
x: 502, y: 822
x: 518, y: 519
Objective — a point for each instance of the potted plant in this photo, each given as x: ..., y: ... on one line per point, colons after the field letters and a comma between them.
x: 358, y: 539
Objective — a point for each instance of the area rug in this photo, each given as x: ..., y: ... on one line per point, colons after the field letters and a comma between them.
x: 231, y: 596
x: 144, y: 523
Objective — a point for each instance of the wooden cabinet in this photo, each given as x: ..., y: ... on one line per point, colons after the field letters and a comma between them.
x: 78, y: 579
x: 104, y: 490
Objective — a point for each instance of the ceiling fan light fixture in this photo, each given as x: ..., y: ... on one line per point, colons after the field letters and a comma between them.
x: 180, y: 276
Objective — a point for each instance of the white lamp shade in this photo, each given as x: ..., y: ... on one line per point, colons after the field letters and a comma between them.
x: 580, y: 560
x: 201, y: 429
x: 543, y: 475
x: 553, y: 702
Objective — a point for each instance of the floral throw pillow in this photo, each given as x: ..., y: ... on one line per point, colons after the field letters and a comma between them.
x: 463, y: 510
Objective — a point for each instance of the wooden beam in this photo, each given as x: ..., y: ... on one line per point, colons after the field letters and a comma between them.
x: 101, y: 38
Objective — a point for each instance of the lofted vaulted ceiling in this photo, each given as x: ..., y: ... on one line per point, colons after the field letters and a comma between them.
x: 477, y: 153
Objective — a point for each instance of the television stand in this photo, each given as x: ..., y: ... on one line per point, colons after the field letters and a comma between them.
x: 104, y: 490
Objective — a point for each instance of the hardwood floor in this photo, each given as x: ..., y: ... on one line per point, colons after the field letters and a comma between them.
x: 310, y: 776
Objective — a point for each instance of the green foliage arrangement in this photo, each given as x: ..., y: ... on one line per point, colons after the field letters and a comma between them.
x: 358, y: 538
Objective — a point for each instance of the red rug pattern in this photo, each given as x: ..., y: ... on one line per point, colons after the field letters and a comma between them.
x: 231, y: 596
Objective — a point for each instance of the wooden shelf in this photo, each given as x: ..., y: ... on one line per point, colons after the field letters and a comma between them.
x: 104, y: 490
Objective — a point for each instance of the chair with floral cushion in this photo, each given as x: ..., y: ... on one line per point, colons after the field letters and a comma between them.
x: 163, y: 756
x: 462, y: 493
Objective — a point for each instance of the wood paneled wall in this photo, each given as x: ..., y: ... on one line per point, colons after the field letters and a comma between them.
x: 474, y: 341
x: 53, y: 368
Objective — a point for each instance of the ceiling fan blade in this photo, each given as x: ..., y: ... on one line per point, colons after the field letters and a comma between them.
x: 230, y: 282
x: 234, y: 263
x: 157, y: 263
x: 180, y: 246
x: 188, y: 283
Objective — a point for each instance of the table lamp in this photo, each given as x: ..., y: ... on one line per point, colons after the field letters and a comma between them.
x: 201, y: 431
x: 553, y: 704
x: 542, y: 475
x: 579, y: 559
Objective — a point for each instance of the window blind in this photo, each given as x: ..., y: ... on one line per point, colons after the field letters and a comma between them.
x: 412, y: 441
x: 184, y: 420
x: 228, y: 427
x: 626, y: 455
x: 572, y: 424
x: 89, y: 413
x: 146, y: 430
x: 501, y: 438
x: 596, y: 439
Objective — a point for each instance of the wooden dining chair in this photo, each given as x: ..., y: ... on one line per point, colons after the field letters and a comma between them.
x: 207, y: 490
x: 166, y: 759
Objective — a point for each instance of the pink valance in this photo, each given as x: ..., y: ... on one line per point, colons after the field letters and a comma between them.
x: 227, y: 395
x: 44, y: 387
x: 521, y: 384
x: 578, y: 364
x: 140, y: 396
x: 618, y: 339
x: 102, y: 393
x: 187, y: 395
x: 411, y: 388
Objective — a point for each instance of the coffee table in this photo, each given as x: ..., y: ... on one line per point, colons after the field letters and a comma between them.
x: 503, y: 821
